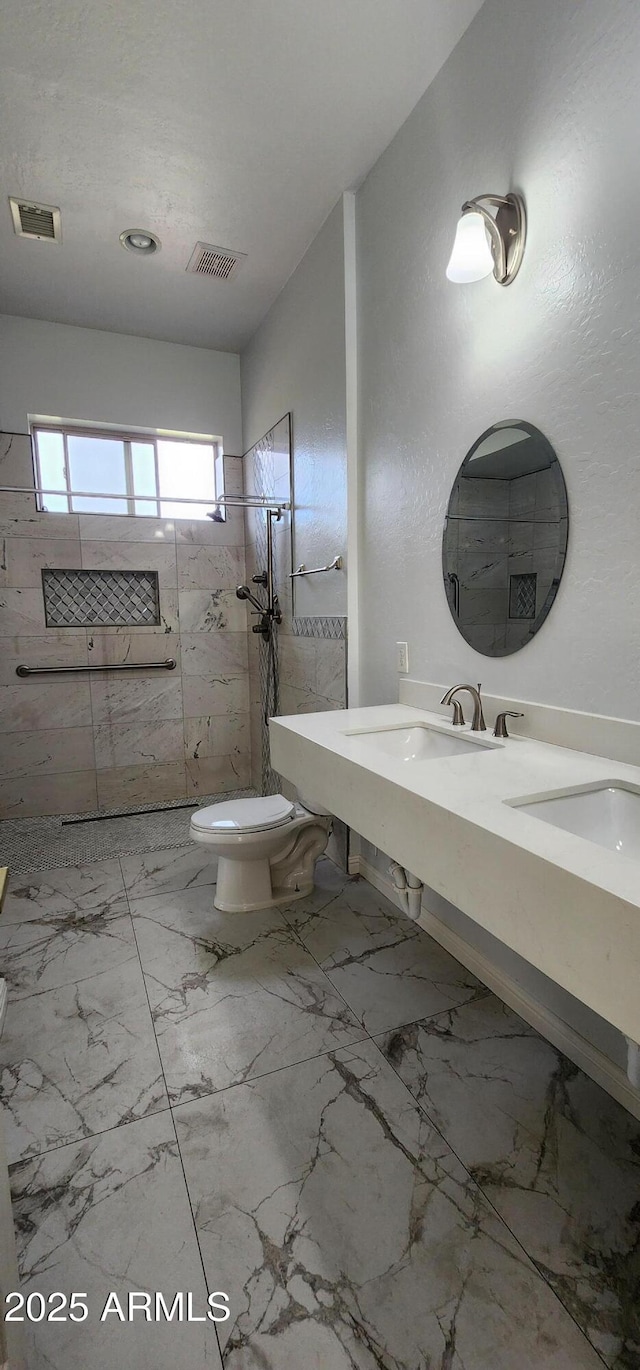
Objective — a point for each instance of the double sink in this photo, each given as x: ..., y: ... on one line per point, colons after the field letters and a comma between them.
x: 605, y: 813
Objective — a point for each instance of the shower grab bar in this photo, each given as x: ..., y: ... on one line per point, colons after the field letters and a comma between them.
x: 167, y: 665
x: 336, y: 565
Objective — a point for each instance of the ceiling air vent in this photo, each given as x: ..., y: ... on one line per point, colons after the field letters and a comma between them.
x: 221, y: 263
x: 36, y: 221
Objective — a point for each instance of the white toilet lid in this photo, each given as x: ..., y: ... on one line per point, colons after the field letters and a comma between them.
x: 244, y: 815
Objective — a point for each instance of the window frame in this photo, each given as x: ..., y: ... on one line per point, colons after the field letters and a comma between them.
x: 128, y: 437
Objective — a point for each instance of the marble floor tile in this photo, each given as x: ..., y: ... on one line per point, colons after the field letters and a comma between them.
x: 69, y: 890
x: 351, y: 1238
x: 232, y: 995
x: 558, y: 1158
x: 112, y: 1214
x: 40, y: 954
x: 163, y: 872
x: 77, y: 1060
x: 388, y: 970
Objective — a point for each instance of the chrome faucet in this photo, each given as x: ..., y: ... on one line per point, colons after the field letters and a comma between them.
x: 478, y: 724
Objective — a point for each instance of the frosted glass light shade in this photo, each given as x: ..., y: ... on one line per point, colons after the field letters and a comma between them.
x: 471, y: 258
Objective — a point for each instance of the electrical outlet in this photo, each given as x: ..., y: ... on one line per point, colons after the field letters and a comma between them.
x: 402, y: 654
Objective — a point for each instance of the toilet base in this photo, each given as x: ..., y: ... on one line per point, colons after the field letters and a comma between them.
x: 244, y: 886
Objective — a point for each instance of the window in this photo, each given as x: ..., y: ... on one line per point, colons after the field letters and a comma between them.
x: 85, y: 471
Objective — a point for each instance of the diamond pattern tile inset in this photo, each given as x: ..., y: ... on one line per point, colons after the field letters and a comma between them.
x: 522, y: 595
x: 100, y: 599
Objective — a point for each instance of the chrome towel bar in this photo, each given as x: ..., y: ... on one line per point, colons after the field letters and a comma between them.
x: 336, y: 565
x: 167, y: 665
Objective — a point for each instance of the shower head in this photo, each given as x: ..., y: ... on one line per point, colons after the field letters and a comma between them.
x: 216, y: 514
x: 243, y: 592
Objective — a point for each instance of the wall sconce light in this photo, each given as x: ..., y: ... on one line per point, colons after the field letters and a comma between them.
x: 485, y: 243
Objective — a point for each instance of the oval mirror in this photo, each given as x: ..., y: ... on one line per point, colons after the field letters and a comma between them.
x: 505, y: 538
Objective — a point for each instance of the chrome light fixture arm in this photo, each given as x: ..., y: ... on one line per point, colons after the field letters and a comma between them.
x: 507, y: 231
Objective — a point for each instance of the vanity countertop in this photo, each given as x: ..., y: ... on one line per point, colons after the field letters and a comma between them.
x: 568, y: 905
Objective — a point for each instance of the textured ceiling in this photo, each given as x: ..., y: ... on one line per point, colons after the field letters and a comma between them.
x: 238, y: 122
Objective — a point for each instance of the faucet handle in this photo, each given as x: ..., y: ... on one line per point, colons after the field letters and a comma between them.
x: 500, y: 729
x: 458, y: 716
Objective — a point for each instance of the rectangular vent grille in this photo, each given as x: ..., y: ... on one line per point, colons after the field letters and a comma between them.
x: 220, y: 263
x: 31, y: 220
x: 100, y: 599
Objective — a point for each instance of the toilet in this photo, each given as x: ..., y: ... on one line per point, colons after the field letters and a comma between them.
x: 266, y: 850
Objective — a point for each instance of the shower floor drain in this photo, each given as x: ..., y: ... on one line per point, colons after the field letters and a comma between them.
x: 35, y: 844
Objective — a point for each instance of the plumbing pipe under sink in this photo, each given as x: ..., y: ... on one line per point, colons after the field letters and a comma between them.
x: 409, y: 888
x: 410, y: 891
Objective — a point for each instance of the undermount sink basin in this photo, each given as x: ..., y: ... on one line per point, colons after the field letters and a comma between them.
x: 608, y: 815
x: 418, y: 742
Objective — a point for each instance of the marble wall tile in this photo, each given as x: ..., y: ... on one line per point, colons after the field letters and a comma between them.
x: 522, y: 496
x: 217, y: 774
x: 486, y: 638
x: 331, y: 668
x: 30, y: 524
x: 476, y: 535
x: 217, y: 735
x: 214, y: 694
x: 477, y: 497
x: 22, y: 561
x: 483, y: 605
x: 139, y: 743
x: 233, y: 475
x: 231, y: 996
x: 483, y: 570
x: 206, y: 533
x: 78, y: 1060
x: 351, y: 1236
x: 117, y: 528
x: 210, y: 568
x: 111, y: 1213
x: 297, y: 660
x: 211, y: 611
x: 47, y: 752
x: 296, y: 701
x: 521, y: 562
x: 38, y: 795
x: 203, y: 653
x: 54, y: 649
x: 132, y: 556
x: 118, y: 646
x: 549, y: 533
x: 66, y: 894
x: 22, y: 614
x: 40, y: 702
x: 520, y: 537
x: 143, y: 784
x: 121, y: 699
x: 556, y: 1156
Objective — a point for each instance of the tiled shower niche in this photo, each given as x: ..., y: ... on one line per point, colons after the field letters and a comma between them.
x: 100, y: 599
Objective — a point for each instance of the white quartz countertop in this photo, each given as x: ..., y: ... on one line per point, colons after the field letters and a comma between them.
x: 457, y: 810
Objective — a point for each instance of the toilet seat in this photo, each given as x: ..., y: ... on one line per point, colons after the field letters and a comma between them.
x: 244, y: 815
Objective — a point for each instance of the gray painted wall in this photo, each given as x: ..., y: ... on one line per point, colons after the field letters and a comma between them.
x: 543, y: 98
x: 296, y: 361
x: 57, y: 370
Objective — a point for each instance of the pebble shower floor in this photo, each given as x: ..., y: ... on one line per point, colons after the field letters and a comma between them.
x: 30, y: 844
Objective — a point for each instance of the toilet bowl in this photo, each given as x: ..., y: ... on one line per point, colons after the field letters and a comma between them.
x: 266, y: 850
